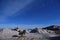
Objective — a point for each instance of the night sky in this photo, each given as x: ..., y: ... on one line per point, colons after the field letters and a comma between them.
x: 29, y: 13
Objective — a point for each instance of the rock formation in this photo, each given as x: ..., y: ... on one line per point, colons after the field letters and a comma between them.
x: 33, y: 34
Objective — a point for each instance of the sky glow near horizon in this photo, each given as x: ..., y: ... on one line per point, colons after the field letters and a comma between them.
x: 29, y: 12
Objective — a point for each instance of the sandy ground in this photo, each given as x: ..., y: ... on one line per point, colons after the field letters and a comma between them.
x: 30, y: 36
x: 25, y: 38
x: 21, y: 38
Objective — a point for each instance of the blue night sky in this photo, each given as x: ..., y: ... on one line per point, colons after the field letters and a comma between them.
x: 29, y: 13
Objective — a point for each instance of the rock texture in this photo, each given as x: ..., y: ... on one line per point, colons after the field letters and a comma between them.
x: 7, y: 33
x: 54, y: 28
x: 33, y: 34
x: 22, y: 38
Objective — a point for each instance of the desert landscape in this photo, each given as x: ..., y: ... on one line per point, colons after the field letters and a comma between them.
x: 29, y: 19
x: 47, y: 33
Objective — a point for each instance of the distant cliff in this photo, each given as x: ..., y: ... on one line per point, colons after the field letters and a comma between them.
x: 54, y: 28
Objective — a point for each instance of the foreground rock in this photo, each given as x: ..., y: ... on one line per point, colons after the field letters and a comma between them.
x: 23, y: 38
x: 7, y: 33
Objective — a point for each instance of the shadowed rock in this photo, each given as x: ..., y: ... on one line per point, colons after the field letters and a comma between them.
x: 55, y: 38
